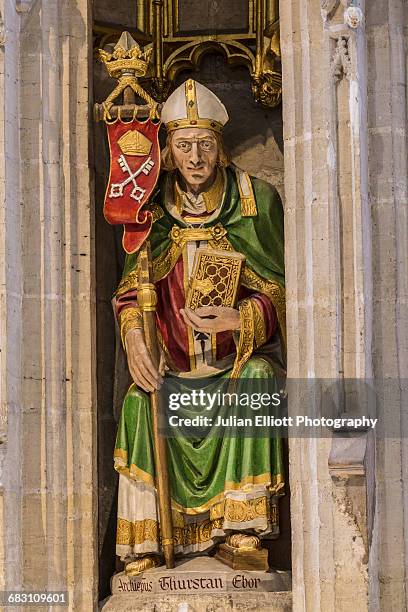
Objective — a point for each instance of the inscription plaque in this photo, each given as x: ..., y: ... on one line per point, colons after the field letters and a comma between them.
x: 200, y: 575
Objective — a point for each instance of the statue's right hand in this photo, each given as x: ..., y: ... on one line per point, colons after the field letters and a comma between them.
x: 141, y: 367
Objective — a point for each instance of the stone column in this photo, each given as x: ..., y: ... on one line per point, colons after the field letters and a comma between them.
x: 3, y: 308
x: 329, y: 289
x: 387, y: 29
x: 49, y: 472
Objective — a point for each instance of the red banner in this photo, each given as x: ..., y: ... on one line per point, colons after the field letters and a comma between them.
x: 134, y: 170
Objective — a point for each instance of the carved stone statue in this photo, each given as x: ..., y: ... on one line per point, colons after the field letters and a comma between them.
x: 222, y: 489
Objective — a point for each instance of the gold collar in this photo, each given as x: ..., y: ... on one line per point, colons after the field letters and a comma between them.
x: 212, y: 197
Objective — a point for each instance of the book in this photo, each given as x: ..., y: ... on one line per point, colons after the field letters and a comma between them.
x: 215, y: 279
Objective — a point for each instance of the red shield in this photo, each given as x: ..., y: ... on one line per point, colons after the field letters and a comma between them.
x: 134, y: 170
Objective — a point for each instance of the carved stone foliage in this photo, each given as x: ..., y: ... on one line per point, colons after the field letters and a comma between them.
x: 341, y: 64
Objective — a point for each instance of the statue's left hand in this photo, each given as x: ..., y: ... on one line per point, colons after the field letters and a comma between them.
x: 212, y: 319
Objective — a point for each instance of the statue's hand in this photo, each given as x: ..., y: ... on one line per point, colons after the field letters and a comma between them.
x: 141, y: 367
x: 212, y: 319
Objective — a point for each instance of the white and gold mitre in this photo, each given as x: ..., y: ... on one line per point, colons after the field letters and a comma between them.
x: 193, y: 105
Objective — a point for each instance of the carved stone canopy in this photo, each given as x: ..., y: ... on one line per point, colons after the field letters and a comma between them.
x: 180, y: 38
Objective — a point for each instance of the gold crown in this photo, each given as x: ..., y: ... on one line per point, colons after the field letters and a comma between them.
x: 134, y: 143
x: 127, y: 56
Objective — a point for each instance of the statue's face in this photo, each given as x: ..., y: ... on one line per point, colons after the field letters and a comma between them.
x: 195, y: 153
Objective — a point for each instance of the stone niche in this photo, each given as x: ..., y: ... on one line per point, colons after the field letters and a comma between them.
x: 254, y: 138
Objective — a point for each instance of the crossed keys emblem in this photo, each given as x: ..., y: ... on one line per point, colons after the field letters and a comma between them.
x: 116, y: 190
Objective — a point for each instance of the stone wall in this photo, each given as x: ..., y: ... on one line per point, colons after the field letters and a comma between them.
x: 323, y: 149
x: 344, y: 75
x: 387, y: 29
x: 48, y: 349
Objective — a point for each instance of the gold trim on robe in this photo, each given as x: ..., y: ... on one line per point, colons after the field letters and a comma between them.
x: 129, y: 318
x: 246, y: 337
x: 131, y: 533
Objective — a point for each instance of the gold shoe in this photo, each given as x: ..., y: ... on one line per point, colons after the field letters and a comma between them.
x: 134, y: 568
x: 243, y: 541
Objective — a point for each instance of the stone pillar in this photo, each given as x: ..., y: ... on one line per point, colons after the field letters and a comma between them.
x: 387, y: 28
x: 329, y: 289
x: 3, y: 308
x: 49, y: 472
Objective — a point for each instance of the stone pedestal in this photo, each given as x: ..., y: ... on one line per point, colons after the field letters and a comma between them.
x: 200, y: 584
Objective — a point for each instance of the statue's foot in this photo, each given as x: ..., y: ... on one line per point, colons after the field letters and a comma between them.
x: 243, y: 541
x: 134, y: 568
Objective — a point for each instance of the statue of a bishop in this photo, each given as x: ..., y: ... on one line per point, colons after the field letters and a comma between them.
x: 222, y: 488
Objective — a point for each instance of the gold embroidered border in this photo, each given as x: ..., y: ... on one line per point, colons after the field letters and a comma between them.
x: 166, y: 261
x: 248, y: 202
x: 157, y: 212
x: 191, y: 100
x: 130, y: 533
x: 130, y: 318
x: 135, y: 533
x: 182, y: 235
x: 206, y: 124
x: 263, y: 479
x: 244, y: 511
x: 246, y: 337
x: 133, y: 472
x: 273, y: 290
x: 190, y: 331
x: 128, y: 283
x: 195, y: 533
x: 259, y: 325
x: 119, y: 453
x: 248, y: 207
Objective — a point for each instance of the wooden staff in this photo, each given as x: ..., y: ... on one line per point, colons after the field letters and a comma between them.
x: 147, y: 300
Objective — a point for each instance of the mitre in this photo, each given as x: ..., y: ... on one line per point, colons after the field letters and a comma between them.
x: 194, y: 105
